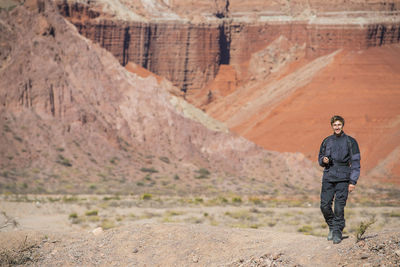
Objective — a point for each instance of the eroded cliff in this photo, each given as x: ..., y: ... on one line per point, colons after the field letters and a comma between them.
x: 187, y: 42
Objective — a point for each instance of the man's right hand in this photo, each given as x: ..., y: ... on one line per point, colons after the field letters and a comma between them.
x: 325, y: 160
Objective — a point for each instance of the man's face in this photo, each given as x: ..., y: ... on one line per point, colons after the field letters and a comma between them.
x: 337, y: 127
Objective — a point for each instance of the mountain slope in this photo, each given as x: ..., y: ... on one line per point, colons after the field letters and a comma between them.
x: 74, y: 120
x: 362, y: 86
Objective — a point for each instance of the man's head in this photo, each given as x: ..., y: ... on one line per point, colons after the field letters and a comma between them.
x: 337, y: 123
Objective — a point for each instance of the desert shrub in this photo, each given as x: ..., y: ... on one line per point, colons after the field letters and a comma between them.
x: 53, y: 199
x: 63, y: 161
x: 92, y: 213
x: 70, y: 199
x: 116, y: 197
x: 307, y: 229
x: 149, y: 215
x: 198, y: 200
x: 255, y: 200
x: 107, y: 224
x: 392, y: 214
x: 167, y: 219
x: 21, y: 255
x: 254, y: 210
x: 195, y: 220
x: 73, y: 215
x: 75, y: 219
x: 114, y: 160
x: 217, y: 201
x: 8, y: 221
x: 237, y: 200
x: 165, y: 159
x: 150, y: 170
x: 92, y: 187
x: 19, y: 139
x: 203, y: 173
x: 176, y: 177
x: 6, y: 128
x: 173, y: 213
x: 223, y: 200
x: 362, y: 228
x: 146, y: 196
x: 243, y: 215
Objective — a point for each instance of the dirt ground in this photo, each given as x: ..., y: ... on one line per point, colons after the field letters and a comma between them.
x: 149, y: 231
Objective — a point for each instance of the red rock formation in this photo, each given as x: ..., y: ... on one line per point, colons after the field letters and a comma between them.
x: 72, y: 119
x: 189, y: 61
x: 187, y: 45
x: 360, y: 85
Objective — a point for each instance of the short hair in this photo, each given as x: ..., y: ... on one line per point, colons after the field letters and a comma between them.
x: 337, y: 118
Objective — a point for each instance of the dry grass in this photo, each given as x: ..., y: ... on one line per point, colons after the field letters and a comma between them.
x: 23, y: 252
x: 362, y: 228
x: 108, y: 211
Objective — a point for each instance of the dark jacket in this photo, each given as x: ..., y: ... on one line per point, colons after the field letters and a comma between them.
x: 344, y: 158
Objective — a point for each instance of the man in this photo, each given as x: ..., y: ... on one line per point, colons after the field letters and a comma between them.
x: 340, y: 156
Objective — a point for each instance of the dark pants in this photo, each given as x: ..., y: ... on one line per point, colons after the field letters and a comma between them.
x: 329, y: 191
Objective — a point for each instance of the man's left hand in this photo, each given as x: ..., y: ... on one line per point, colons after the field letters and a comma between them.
x: 351, y: 187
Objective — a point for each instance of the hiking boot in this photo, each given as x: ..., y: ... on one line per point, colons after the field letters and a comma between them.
x: 330, y: 235
x: 337, y: 237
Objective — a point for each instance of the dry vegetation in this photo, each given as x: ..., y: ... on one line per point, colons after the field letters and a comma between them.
x: 109, y: 211
x: 68, y: 219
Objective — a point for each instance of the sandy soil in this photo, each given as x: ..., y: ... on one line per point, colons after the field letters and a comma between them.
x: 171, y: 232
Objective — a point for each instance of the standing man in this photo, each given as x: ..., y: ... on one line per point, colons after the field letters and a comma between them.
x: 340, y: 156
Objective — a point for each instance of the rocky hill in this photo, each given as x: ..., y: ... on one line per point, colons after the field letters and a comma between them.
x: 74, y: 120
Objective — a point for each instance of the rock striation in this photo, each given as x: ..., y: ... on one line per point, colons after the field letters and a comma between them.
x: 185, y: 54
x: 187, y: 45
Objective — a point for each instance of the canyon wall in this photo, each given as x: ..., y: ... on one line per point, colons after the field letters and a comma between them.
x: 185, y: 54
x: 188, y: 51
